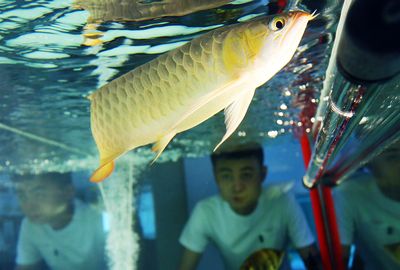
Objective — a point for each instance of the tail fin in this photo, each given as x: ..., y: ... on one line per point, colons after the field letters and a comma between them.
x: 102, y: 172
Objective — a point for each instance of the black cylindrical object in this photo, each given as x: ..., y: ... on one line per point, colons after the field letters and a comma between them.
x: 369, y: 49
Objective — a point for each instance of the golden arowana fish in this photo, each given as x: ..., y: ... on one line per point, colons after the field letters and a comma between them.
x: 263, y: 259
x: 184, y: 87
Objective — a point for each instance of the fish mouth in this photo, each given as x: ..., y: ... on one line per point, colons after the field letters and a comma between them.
x: 307, y: 15
x: 313, y: 15
x: 300, y: 15
x: 296, y: 15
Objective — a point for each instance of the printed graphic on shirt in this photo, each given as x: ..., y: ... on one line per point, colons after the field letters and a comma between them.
x: 269, y: 259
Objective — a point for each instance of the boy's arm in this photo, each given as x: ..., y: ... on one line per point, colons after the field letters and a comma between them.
x: 189, y: 260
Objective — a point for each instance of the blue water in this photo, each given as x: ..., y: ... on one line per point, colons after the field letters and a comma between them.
x: 47, y: 73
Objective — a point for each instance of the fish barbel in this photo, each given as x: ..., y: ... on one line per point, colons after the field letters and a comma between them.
x: 184, y: 87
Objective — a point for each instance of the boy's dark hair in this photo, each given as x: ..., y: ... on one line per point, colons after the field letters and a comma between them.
x: 238, y: 152
x: 60, y: 179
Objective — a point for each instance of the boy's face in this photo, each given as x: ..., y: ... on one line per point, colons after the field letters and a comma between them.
x: 240, y: 182
x: 42, y: 201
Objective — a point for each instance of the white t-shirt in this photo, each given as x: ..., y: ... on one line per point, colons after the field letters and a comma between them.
x: 276, y: 222
x: 78, y: 246
x: 369, y: 220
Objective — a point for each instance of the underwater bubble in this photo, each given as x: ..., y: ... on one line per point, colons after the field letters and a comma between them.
x: 272, y: 133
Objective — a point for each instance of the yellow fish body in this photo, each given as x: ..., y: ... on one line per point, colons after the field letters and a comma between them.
x: 184, y: 87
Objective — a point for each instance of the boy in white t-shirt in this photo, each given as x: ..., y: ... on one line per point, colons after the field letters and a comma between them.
x: 58, y: 232
x: 251, y: 227
x: 368, y: 206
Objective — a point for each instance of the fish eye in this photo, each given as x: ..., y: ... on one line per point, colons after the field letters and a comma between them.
x: 277, y: 24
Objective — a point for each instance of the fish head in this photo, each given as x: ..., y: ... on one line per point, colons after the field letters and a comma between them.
x: 282, y: 36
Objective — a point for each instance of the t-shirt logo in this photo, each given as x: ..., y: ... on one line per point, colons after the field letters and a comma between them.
x: 268, y: 259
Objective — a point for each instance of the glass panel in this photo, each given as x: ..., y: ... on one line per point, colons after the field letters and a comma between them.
x: 359, y: 113
x: 368, y: 207
x: 357, y: 125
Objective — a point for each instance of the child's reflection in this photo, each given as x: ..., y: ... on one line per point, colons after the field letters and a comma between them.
x: 58, y: 232
x: 368, y: 208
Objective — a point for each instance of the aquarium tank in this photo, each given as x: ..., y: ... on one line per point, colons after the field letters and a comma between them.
x: 325, y: 116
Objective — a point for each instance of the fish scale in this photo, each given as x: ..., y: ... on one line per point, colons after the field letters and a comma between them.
x: 184, y: 87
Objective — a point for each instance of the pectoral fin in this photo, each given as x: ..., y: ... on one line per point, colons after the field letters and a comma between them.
x: 205, y: 100
x: 235, y: 113
x: 160, y: 145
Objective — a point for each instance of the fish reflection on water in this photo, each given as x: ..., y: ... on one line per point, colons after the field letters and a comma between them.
x: 186, y: 86
x: 130, y: 10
